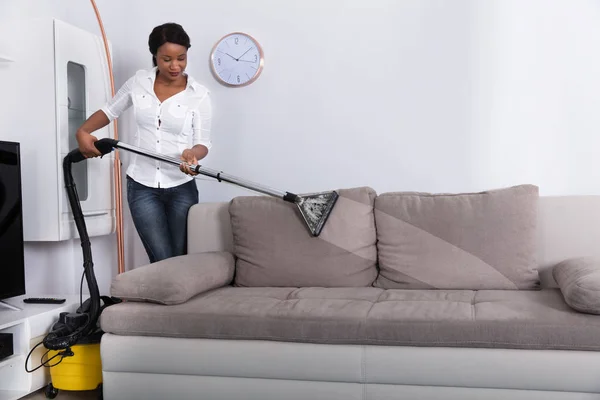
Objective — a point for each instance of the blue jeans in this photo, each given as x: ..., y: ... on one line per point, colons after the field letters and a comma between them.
x: 160, y: 217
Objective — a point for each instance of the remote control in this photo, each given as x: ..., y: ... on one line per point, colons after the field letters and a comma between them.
x: 44, y: 300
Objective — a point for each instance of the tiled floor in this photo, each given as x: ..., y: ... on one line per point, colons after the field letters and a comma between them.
x: 64, y: 395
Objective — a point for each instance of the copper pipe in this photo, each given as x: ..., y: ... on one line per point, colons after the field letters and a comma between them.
x: 117, y: 169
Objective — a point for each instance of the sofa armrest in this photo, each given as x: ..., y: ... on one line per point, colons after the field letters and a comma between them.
x: 579, y: 282
x: 175, y: 280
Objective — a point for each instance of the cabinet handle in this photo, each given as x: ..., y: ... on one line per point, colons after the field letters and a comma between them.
x: 95, y: 214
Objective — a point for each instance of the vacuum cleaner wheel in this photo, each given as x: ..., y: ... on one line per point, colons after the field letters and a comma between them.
x: 51, y: 392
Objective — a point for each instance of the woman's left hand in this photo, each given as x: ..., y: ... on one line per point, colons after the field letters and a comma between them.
x: 189, y: 159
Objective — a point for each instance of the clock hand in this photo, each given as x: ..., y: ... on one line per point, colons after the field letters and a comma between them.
x: 246, y: 61
x: 236, y: 59
x: 220, y: 51
x: 244, y: 53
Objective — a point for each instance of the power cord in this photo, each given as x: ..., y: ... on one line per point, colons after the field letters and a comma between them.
x: 64, y: 353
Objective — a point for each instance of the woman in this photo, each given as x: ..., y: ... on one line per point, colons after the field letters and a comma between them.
x: 172, y: 115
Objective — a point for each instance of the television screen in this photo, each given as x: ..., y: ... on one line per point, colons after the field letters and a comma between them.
x: 12, y: 253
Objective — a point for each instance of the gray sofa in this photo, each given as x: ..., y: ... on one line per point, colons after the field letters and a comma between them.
x: 489, y: 295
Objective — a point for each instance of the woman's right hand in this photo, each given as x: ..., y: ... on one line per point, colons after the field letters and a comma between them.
x: 86, y: 144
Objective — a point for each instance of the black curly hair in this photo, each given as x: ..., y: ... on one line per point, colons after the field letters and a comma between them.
x: 169, y: 32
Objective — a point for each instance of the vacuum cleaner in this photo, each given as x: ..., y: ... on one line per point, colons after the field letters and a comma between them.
x: 75, y: 337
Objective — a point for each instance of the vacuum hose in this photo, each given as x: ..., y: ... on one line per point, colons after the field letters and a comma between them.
x: 71, y: 327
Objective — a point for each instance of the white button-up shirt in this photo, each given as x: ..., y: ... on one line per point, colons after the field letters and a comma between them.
x: 180, y: 122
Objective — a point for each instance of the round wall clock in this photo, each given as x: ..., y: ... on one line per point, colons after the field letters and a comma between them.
x: 236, y: 59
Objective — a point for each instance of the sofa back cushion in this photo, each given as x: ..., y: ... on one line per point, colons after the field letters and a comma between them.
x: 484, y: 240
x: 273, y: 247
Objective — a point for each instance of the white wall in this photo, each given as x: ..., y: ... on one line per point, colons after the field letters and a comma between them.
x: 426, y: 95
x: 351, y: 94
x: 436, y: 95
x: 537, y: 89
x: 56, y: 268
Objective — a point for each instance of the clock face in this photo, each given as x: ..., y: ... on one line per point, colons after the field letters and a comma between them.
x: 236, y: 59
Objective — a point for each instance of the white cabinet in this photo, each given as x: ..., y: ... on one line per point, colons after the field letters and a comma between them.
x: 28, y: 327
x: 59, y: 77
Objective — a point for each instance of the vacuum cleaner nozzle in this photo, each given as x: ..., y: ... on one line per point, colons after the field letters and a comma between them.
x: 314, y: 208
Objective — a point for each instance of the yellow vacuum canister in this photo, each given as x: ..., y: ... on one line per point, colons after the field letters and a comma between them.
x: 79, y: 370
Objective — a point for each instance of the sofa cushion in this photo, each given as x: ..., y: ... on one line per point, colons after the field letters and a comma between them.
x: 579, y: 282
x: 175, y: 280
x: 274, y: 248
x: 447, y: 318
x: 484, y: 240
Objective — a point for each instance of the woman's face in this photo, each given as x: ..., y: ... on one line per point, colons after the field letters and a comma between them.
x: 171, y: 60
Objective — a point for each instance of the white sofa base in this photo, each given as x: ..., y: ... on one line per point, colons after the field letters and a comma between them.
x: 138, y: 367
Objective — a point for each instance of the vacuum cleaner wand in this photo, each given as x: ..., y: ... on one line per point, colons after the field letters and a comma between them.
x: 314, y: 208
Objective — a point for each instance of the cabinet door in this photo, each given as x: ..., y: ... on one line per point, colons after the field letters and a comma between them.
x: 83, y: 87
x: 82, y: 79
